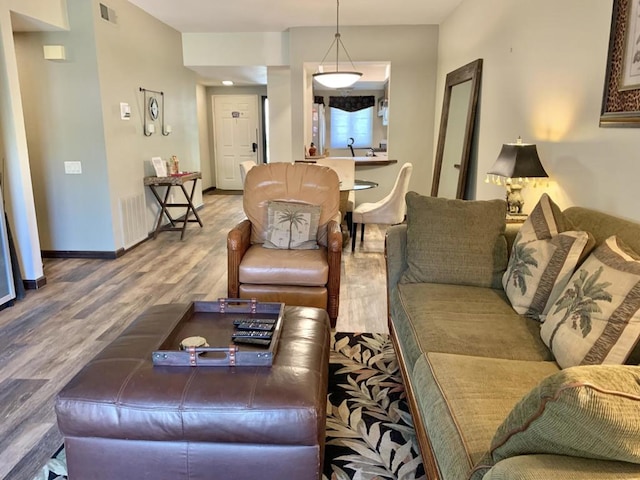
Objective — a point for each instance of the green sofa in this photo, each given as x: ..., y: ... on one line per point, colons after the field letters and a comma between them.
x: 468, y: 359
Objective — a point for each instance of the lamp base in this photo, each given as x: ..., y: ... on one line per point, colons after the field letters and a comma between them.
x: 515, y: 201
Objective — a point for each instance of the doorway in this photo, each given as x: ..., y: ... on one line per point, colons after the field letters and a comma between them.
x: 235, y: 124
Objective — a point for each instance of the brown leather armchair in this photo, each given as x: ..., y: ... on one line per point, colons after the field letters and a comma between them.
x: 294, y: 277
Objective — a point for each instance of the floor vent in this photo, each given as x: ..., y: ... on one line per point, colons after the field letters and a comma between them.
x: 133, y: 217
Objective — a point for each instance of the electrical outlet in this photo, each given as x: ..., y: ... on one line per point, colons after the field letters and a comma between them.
x: 73, y: 168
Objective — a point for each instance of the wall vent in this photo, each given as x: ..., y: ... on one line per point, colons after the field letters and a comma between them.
x: 108, y: 14
x: 133, y: 217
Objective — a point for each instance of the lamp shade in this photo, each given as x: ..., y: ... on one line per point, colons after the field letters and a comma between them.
x: 337, y: 79
x: 518, y: 160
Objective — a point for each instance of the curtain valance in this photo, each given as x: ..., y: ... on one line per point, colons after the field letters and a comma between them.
x: 352, y: 104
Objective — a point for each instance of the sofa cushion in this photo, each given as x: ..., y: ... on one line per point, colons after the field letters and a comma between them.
x: 463, y: 399
x: 431, y: 317
x: 292, y: 225
x: 539, y: 270
x: 545, y: 467
x: 284, y: 267
x: 442, y: 241
x: 589, y: 412
x: 597, y: 317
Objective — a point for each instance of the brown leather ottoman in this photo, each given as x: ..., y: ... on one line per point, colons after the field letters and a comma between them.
x: 123, y: 418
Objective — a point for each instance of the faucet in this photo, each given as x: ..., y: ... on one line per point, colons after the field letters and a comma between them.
x: 350, y: 145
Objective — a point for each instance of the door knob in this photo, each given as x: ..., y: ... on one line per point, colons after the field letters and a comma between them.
x: 254, y: 146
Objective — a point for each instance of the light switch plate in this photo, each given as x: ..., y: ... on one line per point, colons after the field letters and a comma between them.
x: 73, y: 168
x: 125, y: 111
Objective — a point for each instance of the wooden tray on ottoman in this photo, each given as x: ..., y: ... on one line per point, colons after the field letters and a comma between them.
x: 214, y: 322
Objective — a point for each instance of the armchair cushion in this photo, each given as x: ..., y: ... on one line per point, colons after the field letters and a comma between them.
x: 292, y: 225
x: 284, y: 267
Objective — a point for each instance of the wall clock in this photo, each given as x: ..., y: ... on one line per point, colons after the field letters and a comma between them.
x: 153, y: 108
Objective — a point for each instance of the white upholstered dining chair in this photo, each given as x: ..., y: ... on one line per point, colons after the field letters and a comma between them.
x: 244, y: 168
x: 388, y: 211
x: 346, y: 170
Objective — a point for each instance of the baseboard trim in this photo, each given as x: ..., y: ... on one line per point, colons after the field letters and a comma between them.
x: 35, y: 284
x: 82, y: 254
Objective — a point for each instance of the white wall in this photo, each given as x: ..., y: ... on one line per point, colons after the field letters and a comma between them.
x: 17, y: 192
x: 62, y: 108
x: 206, y: 154
x: 279, y: 93
x: 235, y: 49
x: 543, y: 78
x: 140, y: 51
x: 72, y: 113
x: 42, y: 14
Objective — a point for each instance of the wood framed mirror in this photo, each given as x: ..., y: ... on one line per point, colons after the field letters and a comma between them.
x: 457, y: 125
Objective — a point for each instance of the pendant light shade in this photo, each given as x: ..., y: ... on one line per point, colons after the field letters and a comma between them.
x: 337, y: 79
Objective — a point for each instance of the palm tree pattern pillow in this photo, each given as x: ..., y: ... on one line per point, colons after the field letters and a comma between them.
x: 292, y: 226
x: 543, y: 257
x: 538, y: 271
x: 596, y: 319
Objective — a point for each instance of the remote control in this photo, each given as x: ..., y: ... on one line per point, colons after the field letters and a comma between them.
x: 270, y: 321
x: 261, y: 326
x: 252, y: 336
x: 253, y: 340
x: 252, y: 333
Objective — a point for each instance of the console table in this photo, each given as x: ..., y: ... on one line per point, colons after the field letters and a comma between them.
x: 177, y: 180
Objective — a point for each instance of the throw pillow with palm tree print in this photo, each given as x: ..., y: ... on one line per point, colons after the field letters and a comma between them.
x: 540, y: 269
x: 596, y: 319
x: 545, y: 221
x: 292, y: 226
x: 543, y: 257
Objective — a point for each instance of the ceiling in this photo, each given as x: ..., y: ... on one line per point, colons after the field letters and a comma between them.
x: 200, y: 16
x: 224, y: 16
x: 204, y: 16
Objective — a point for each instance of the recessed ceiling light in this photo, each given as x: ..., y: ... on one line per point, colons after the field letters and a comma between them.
x: 228, y: 83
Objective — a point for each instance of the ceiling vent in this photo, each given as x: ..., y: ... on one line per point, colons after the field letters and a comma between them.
x: 108, y: 14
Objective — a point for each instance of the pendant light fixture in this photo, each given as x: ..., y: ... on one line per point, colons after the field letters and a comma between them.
x: 337, y: 79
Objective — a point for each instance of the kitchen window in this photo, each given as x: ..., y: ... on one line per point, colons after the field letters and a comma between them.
x: 357, y: 125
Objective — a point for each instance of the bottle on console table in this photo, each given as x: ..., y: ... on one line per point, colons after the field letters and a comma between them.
x: 312, y: 150
x: 174, y: 165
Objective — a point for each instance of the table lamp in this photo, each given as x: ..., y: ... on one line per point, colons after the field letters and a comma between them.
x: 516, y: 165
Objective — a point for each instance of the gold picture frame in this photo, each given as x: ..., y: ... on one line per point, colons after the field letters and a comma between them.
x: 621, y: 96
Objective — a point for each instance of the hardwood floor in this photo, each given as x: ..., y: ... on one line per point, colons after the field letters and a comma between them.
x: 47, y: 337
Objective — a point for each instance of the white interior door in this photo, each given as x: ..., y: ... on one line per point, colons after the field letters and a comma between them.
x: 236, y: 137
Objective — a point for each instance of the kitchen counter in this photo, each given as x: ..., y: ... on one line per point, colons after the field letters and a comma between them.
x: 378, y: 160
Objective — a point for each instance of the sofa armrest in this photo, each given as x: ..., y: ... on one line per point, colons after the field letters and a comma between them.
x: 238, y: 241
x: 395, y: 254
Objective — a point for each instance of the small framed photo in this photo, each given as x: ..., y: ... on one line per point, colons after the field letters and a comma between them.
x: 159, y: 166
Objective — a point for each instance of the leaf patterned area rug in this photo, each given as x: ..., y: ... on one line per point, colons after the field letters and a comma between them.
x: 370, y: 433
